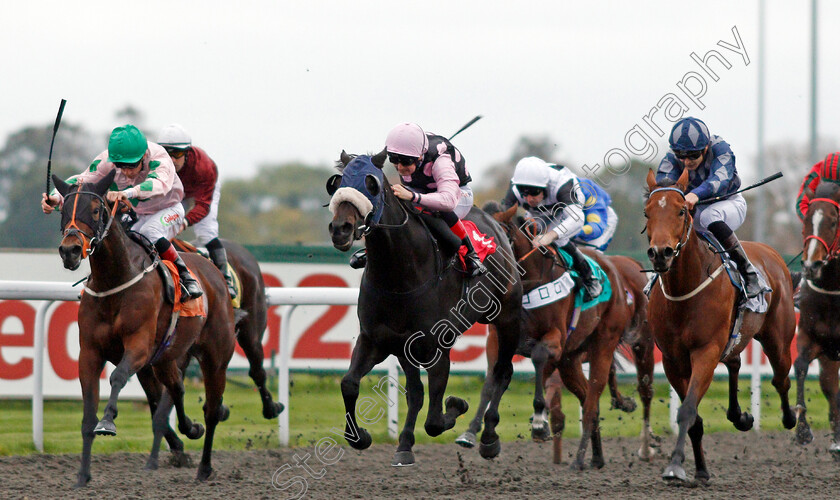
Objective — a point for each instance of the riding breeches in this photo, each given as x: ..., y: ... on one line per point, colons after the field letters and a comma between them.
x: 207, y: 228
x: 162, y: 224
x: 731, y: 211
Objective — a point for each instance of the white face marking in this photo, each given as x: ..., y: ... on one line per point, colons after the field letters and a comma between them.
x: 662, y: 202
x: 813, y: 245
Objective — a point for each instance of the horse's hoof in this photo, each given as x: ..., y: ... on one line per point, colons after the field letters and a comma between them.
x: 179, y: 459
x: 803, y: 434
x: 576, y: 466
x: 467, y: 440
x: 789, y: 420
x: 625, y: 404
x: 205, y: 474
x: 646, y: 453
x: 105, y: 428
x: 540, y: 434
x: 744, y: 422
x: 151, y: 464
x: 674, y: 472
x: 403, y: 459
x: 364, y: 440
x: 834, y: 449
x: 82, y: 481
x: 224, y: 412
x: 491, y: 450
x: 273, y: 410
x: 458, y: 404
x: 597, y: 463
x: 195, y: 432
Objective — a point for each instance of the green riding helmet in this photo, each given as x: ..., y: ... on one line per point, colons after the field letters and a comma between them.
x: 126, y: 145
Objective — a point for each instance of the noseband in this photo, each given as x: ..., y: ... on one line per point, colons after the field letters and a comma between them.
x: 89, y: 242
x: 831, y: 250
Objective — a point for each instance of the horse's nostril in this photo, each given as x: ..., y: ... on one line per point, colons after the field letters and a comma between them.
x: 651, y: 253
x: 668, y: 252
x: 329, y: 227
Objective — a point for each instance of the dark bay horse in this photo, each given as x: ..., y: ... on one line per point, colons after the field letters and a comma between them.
x: 414, y: 303
x: 691, y: 324
x: 123, y: 318
x: 250, y: 327
x: 556, y: 346
x: 819, y: 324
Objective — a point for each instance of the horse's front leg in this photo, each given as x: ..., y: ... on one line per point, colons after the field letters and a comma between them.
x: 90, y: 366
x: 468, y: 438
x: 742, y: 421
x: 807, y: 352
x: 436, y: 420
x: 539, y: 420
x: 618, y: 401
x: 414, y: 400
x: 169, y: 374
x: 365, y: 356
x: 828, y: 384
x: 643, y: 356
x: 135, y: 356
x: 160, y: 426
x: 508, y: 334
x: 600, y: 363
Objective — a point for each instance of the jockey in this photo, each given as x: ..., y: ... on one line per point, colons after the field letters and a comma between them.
x: 551, y: 195
x: 600, y: 220
x: 827, y: 169
x: 433, y: 175
x: 200, y: 178
x: 712, y: 173
x: 145, y: 178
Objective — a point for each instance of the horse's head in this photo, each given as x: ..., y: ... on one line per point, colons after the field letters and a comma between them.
x: 83, y: 218
x: 821, y: 229
x: 520, y: 233
x: 668, y: 221
x: 358, y: 197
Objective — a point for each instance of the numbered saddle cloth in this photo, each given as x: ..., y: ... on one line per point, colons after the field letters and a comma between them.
x: 562, y: 286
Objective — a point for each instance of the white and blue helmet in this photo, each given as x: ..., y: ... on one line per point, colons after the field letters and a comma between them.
x: 689, y: 134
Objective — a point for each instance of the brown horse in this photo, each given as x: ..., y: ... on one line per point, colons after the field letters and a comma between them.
x: 692, y: 311
x: 124, y: 318
x: 250, y: 327
x: 596, y: 336
x: 819, y: 327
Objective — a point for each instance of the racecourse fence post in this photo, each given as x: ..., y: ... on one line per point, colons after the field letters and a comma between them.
x: 393, y: 396
x: 38, y: 376
x: 755, y: 384
x: 283, y: 373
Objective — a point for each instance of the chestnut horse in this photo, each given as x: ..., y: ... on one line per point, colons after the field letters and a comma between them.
x: 597, y: 334
x: 124, y: 317
x: 691, y: 314
x: 819, y: 325
x: 414, y: 302
x: 250, y: 327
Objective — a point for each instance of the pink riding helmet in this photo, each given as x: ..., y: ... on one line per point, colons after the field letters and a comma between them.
x: 407, y: 139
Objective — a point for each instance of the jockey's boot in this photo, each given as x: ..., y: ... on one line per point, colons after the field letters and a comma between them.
x: 189, y: 286
x: 359, y: 259
x: 473, y: 265
x: 591, y: 284
x: 219, y: 257
x: 752, y: 288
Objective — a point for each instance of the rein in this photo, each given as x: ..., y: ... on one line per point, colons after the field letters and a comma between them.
x: 89, y: 243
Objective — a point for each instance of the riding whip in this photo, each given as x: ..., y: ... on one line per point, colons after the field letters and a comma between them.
x: 759, y: 183
x: 55, y: 130
x: 465, y: 127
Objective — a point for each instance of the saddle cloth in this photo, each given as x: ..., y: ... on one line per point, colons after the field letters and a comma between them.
x: 189, y: 308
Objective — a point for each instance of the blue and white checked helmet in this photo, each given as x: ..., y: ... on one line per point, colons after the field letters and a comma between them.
x: 689, y: 134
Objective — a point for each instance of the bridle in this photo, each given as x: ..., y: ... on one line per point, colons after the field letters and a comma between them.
x: 89, y: 242
x: 831, y: 250
x: 686, y: 225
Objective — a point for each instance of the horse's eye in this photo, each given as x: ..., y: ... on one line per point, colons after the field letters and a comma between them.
x: 682, y: 212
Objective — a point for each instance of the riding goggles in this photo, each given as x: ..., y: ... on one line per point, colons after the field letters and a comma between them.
x: 530, y: 190
x: 398, y: 159
x: 688, y: 155
x: 127, y: 166
x: 175, y: 153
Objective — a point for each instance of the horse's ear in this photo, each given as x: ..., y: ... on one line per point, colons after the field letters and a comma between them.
x: 345, y: 158
x: 651, y: 180
x: 102, y: 185
x: 333, y: 183
x: 507, y: 215
x: 60, y: 186
x: 682, y: 182
x: 373, y: 185
x: 379, y: 158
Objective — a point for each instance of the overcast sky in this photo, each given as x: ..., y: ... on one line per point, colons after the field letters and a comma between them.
x: 255, y: 82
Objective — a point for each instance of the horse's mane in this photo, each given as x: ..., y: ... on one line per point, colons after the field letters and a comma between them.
x: 492, y: 207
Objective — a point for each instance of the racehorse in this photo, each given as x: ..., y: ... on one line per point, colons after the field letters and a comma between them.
x: 124, y: 319
x: 250, y: 327
x: 691, y: 314
x: 414, y: 303
x: 819, y: 328
x: 557, y: 345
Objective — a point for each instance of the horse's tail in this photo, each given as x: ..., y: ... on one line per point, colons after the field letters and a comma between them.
x: 238, y: 316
